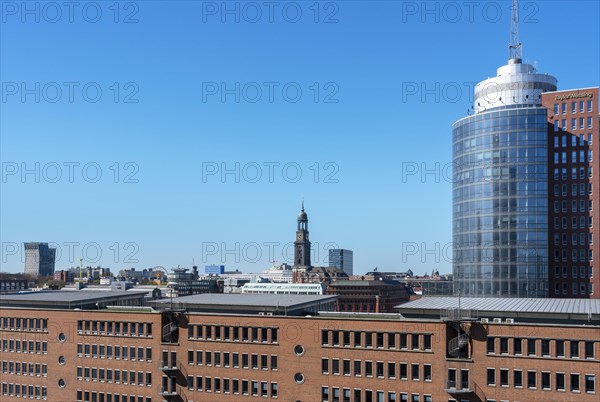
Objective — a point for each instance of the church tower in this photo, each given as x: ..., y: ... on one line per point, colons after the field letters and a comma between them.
x: 302, y: 244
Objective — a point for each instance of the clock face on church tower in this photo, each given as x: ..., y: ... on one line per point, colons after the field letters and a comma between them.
x: 299, y: 236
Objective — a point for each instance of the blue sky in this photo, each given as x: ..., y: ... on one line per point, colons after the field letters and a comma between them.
x: 343, y: 103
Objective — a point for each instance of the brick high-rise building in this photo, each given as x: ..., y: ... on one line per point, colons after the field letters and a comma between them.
x: 573, y: 187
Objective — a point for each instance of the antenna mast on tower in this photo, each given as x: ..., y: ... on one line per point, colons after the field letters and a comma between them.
x: 514, y: 47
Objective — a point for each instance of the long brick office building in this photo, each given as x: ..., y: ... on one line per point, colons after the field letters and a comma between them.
x: 295, y: 348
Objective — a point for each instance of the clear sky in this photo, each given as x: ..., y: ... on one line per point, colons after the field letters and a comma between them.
x: 117, y: 123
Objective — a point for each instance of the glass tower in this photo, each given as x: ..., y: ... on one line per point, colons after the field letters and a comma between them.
x: 342, y: 259
x: 500, y: 188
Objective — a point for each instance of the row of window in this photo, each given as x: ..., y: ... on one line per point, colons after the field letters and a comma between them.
x: 232, y: 333
x: 93, y: 396
x: 24, y: 368
x: 577, y: 238
x: 562, y: 124
x: 116, y: 376
x: 582, y: 255
x: 335, y: 394
x: 116, y: 351
x: 13, y: 285
x: 544, y: 380
x: 584, y: 272
x: 24, y: 346
x: 235, y: 386
x: 581, y: 288
x: 380, y: 340
x: 379, y: 369
x: 562, y: 190
x: 541, y: 347
x: 581, y: 206
x: 23, y: 324
x: 582, y: 108
x: 25, y: 390
x: 584, y: 172
x: 227, y: 359
x: 561, y: 157
x: 575, y: 140
x: 118, y: 328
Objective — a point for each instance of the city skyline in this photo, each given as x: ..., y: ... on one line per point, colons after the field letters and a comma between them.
x: 161, y: 199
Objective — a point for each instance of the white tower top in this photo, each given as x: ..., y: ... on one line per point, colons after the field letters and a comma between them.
x: 515, y: 83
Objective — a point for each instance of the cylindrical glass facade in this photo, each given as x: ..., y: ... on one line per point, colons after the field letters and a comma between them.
x: 500, y: 203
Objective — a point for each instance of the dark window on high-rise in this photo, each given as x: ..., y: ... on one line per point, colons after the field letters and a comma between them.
x: 335, y: 366
x: 403, y: 341
x: 545, y: 380
x: 491, y: 344
x: 589, y: 349
x: 560, y: 348
x: 545, y: 347
x: 415, y: 341
x: 518, y: 378
x: 392, y: 340
x: 574, y: 349
x: 491, y: 376
x: 324, y: 365
x: 427, y: 342
x: 531, y: 379
x: 504, y: 345
x: 560, y: 381
x: 346, y: 338
x: 380, y: 342
x: 518, y: 346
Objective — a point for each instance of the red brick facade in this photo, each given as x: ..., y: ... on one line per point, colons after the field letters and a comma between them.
x: 309, y: 359
x: 573, y: 188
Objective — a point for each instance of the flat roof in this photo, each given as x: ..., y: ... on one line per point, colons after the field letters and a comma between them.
x: 498, y: 304
x: 245, y: 303
x: 521, y: 310
x: 245, y: 299
x: 68, y: 295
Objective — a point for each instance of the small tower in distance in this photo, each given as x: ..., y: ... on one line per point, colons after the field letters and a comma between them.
x: 301, y: 247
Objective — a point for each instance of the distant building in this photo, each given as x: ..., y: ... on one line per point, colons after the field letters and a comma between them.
x: 342, y: 259
x: 214, y: 269
x: 232, y: 285
x: 277, y: 273
x: 303, y: 271
x: 39, y: 259
x: 284, y: 288
x: 368, y: 296
x: 183, y: 283
x: 65, y: 276
x: 11, y: 283
x: 320, y: 275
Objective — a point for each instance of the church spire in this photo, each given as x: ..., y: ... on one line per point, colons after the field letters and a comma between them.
x: 302, y: 243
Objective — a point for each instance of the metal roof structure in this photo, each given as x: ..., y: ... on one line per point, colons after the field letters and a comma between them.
x: 532, y: 309
x: 567, y: 306
x: 236, y: 303
x: 70, y: 299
